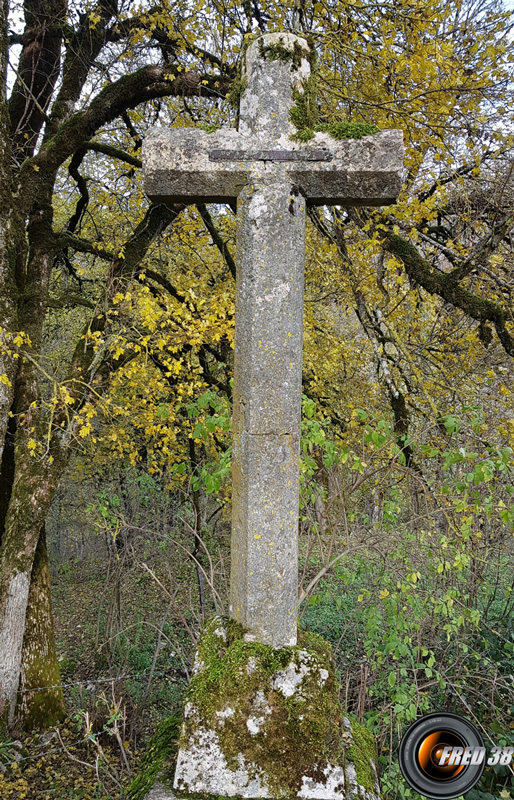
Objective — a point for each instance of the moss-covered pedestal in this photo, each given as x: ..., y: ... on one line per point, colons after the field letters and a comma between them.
x: 266, y: 723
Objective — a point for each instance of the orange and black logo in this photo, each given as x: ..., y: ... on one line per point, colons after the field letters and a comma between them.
x: 442, y: 756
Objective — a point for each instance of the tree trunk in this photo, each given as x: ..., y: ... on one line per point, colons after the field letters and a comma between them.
x: 38, y: 708
x: 7, y: 284
x: 41, y: 110
x: 33, y: 476
x: 32, y: 492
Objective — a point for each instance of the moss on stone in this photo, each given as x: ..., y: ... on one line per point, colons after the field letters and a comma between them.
x: 337, y: 130
x: 362, y: 754
x: 305, y: 115
x: 278, y: 51
x: 208, y: 127
x: 237, y: 89
x: 308, y: 640
x: 275, y: 52
x: 223, y: 659
x: 304, y: 112
x: 300, y: 733
x: 161, y: 748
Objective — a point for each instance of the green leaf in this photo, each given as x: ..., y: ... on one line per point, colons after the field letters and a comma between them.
x: 204, y: 400
x: 199, y: 431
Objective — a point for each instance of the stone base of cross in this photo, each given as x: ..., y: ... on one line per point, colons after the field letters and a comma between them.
x: 272, y: 178
x: 261, y: 722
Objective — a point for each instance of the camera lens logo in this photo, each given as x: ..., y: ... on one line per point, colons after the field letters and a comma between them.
x: 442, y: 756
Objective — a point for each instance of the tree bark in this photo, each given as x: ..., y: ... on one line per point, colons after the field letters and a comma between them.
x: 7, y: 285
x: 447, y: 286
x: 32, y: 492
x: 37, y: 707
x: 36, y: 474
x: 38, y: 71
x: 39, y: 129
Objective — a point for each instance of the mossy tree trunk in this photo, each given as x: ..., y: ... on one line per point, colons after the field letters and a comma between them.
x: 7, y: 285
x: 33, y: 488
x: 33, y: 475
x: 37, y: 707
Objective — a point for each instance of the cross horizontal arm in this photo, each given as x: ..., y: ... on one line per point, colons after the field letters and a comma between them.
x: 176, y: 165
x: 192, y: 166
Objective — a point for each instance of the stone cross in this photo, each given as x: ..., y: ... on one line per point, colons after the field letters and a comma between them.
x: 272, y: 177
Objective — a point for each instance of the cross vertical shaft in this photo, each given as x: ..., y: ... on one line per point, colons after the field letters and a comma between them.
x: 267, y: 406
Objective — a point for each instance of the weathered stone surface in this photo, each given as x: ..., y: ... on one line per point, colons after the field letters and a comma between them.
x: 269, y: 307
x: 264, y: 565
x: 267, y: 723
x: 266, y: 411
x: 264, y: 107
x: 178, y: 168
x: 262, y: 721
x: 160, y: 792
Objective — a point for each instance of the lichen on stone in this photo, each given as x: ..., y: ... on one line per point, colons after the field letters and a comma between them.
x: 274, y: 714
x: 287, y: 744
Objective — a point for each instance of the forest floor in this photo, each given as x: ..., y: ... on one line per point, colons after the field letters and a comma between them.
x: 95, y: 751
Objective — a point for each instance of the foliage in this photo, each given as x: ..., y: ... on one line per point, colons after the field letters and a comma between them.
x: 9, y: 750
x: 58, y: 767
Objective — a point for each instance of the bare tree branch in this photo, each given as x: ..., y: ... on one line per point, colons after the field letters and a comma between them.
x: 479, y: 308
x: 114, y: 152
x: 129, y: 91
x: 217, y: 239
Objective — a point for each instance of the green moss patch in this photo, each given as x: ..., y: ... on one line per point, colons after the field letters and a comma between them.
x: 337, y: 130
x: 160, y: 750
x: 244, y: 692
x: 304, y: 113
x: 280, y: 52
x: 237, y: 89
x: 208, y: 127
x: 308, y: 640
x: 238, y: 681
x: 305, y: 117
x: 361, y: 754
